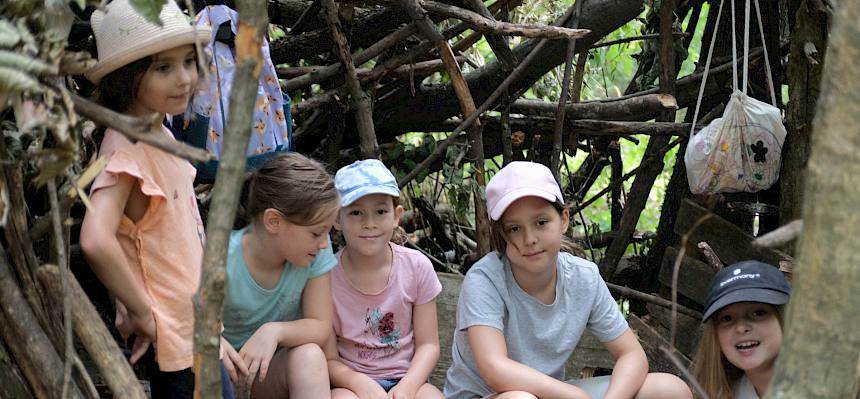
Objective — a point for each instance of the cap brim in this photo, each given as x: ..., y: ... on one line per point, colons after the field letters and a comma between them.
x: 348, y: 199
x: 509, y: 198
x: 762, y: 295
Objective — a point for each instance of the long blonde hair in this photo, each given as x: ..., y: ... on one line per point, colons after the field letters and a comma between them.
x: 712, y: 370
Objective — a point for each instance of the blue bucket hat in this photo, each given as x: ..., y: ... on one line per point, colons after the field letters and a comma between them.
x: 369, y: 176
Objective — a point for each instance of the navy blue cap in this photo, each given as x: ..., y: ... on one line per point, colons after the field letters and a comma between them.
x: 746, y: 281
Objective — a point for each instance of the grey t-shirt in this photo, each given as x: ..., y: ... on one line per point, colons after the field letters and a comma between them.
x: 538, y: 335
x: 744, y: 389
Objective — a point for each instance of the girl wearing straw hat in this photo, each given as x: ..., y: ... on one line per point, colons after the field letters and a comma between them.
x: 143, y: 236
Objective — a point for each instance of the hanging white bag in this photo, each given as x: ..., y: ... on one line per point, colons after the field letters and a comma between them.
x: 740, y: 151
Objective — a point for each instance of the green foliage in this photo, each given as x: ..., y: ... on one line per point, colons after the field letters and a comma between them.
x: 149, y: 9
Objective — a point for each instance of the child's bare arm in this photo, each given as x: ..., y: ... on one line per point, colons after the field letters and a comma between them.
x: 314, y: 328
x: 426, y: 348
x: 99, y: 243
x: 502, y: 374
x: 631, y: 366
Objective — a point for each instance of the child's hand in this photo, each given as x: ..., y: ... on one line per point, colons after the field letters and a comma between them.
x: 142, y: 326
x: 259, y: 349
x: 234, y: 364
x: 403, y: 391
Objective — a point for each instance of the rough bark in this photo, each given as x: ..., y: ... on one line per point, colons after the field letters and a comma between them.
x: 28, y: 343
x: 209, y: 299
x: 359, y: 99
x: 645, y: 178
x: 804, y: 82
x: 94, y: 335
x: 821, y: 314
x: 393, y: 111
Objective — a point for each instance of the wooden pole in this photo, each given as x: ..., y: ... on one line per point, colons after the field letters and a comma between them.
x: 360, y: 100
x: 29, y: 344
x: 209, y: 299
x: 467, y: 107
x: 94, y: 335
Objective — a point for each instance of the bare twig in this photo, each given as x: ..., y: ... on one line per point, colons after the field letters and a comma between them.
x: 358, y: 59
x: 486, y: 25
x: 558, y: 131
x: 670, y: 353
x: 360, y: 100
x: 780, y: 236
x: 634, y: 39
x: 488, y: 103
x: 62, y: 262
x: 711, y: 256
x: 629, y: 292
x: 138, y: 129
x: 676, y: 269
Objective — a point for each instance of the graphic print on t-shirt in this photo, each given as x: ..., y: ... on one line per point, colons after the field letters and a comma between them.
x: 383, y: 327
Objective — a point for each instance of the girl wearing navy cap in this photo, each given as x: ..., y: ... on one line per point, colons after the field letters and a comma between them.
x: 743, y: 330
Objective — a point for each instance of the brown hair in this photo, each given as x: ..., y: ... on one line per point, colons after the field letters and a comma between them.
x: 296, y: 186
x: 711, y: 369
x: 118, y: 90
x: 499, y: 243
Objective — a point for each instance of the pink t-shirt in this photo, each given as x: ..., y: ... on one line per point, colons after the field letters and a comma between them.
x: 374, y: 331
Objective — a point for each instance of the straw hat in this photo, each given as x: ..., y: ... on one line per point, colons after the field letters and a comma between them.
x: 123, y: 36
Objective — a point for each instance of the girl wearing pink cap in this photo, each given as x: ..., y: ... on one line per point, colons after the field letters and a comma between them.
x: 523, y: 307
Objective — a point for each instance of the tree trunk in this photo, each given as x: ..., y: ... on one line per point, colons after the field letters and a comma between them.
x: 821, y: 346
x: 209, y: 299
x: 804, y: 82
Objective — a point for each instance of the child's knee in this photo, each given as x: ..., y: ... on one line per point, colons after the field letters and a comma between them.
x: 514, y: 395
x: 306, y: 356
x: 664, y: 385
x: 428, y: 391
x: 341, y: 393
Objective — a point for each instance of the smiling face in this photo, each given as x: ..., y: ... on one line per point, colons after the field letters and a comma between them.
x: 368, y: 223
x: 167, y: 84
x: 750, y: 335
x: 533, y: 230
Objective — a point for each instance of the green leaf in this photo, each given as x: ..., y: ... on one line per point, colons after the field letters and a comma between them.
x: 149, y: 9
x: 12, y: 81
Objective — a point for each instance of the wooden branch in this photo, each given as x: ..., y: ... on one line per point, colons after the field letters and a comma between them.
x: 629, y: 292
x: 360, y: 100
x: 63, y: 262
x: 641, y: 187
x: 497, y: 43
x: 467, y: 107
x: 418, y: 68
x: 310, y: 12
x: 209, y: 299
x: 138, y: 129
x: 558, y: 129
x: 710, y: 256
x: 606, y: 109
x: 359, y: 59
x: 488, y: 103
x: 780, y: 236
x: 634, y: 39
x: 33, y: 352
x: 491, y: 26
x: 94, y: 335
x: 317, y: 101
x: 647, y: 161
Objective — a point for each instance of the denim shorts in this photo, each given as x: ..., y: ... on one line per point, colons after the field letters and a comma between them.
x: 388, y: 384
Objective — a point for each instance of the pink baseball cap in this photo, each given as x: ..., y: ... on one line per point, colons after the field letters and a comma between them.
x: 517, y: 180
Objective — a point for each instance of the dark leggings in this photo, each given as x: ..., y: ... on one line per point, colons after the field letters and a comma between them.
x: 179, y: 384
